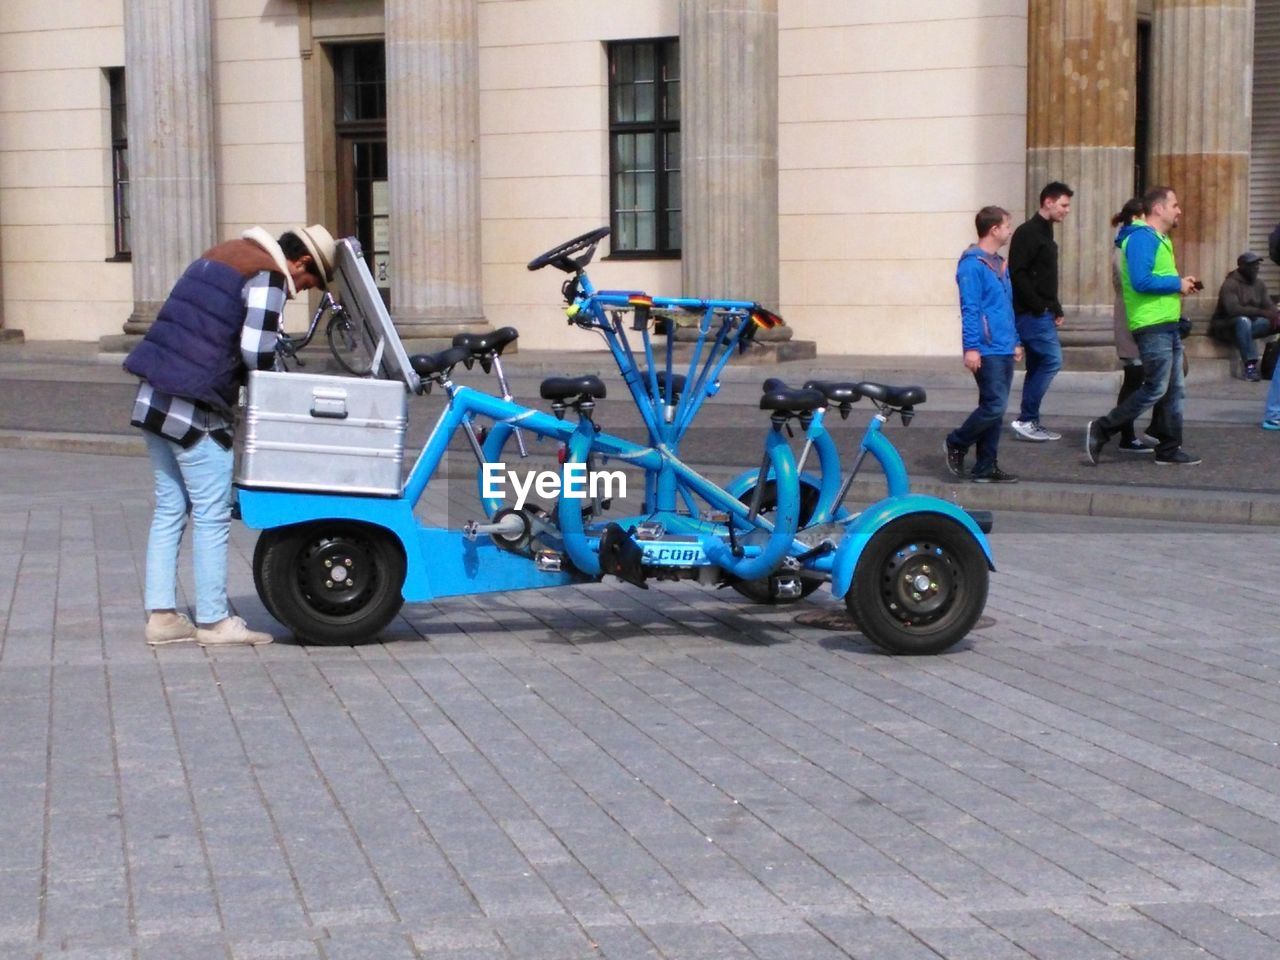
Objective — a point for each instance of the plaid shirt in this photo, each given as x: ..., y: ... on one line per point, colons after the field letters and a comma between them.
x: 185, y: 421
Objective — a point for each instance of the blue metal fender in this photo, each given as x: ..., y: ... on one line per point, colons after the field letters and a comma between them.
x: 866, y: 524
x: 268, y: 509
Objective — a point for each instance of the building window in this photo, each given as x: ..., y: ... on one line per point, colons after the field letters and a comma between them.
x: 644, y: 148
x: 361, y: 132
x: 119, y: 161
x: 1142, y: 110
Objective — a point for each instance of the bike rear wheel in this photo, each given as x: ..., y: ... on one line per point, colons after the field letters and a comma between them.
x: 331, y: 581
x: 347, y: 347
x: 757, y: 591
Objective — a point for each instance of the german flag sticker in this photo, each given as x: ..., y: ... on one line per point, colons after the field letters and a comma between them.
x: 766, y: 319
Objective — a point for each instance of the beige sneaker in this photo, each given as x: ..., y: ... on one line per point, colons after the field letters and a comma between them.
x: 231, y: 630
x: 165, y: 628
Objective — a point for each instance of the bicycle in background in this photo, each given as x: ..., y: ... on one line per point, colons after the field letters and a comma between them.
x: 340, y: 333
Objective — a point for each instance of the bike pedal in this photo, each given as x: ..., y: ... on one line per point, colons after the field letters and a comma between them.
x: 785, y: 588
x: 548, y: 561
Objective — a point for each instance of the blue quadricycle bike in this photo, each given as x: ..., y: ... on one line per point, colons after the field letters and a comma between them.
x: 335, y: 567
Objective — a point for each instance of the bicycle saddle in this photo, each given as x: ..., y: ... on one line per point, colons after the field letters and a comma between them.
x: 835, y: 391
x: 893, y: 396
x: 677, y: 383
x: 495, y: 341
x: 562, y: 388
x: 431, y: 364
x: 786, y: 398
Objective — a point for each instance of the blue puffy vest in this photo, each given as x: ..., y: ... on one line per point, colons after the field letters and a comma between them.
x: 193, y: 348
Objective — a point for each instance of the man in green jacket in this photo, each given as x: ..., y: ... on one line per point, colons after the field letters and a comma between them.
x: 1153, y: 294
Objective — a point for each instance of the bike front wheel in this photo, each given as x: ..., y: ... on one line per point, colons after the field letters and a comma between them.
x: 348, y: 348
x: 919, y: 586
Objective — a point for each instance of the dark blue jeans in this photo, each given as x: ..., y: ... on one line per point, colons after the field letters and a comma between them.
x: 1039, y: 336
x: 1245, y: 330
x: 1162, y: 387
x: 983, y: 426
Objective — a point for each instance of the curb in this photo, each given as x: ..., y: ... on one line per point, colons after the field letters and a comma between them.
x: 101, y: 444
x: 1134, y: 503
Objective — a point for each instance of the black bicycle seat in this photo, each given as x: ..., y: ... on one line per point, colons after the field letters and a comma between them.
x: 795, y: 401
x: 835, y: 391
x: 892, y: 396
x: 431, y: 364
x: 495, y: 341
x: 677, y: 383
x: 562, y: 388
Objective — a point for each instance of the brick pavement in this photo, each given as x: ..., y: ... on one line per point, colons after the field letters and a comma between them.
x: 600, y: 771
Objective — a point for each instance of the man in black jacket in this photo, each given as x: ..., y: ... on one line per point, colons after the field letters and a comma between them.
x: 1033, y: 268
x: 1245, y: 312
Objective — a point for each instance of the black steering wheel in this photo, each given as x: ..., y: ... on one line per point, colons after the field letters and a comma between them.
x: 561, y: 257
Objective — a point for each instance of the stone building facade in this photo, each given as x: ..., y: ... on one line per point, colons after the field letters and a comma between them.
x: 822, y: 156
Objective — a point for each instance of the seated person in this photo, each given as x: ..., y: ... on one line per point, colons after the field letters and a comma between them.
x: 1245, y: 312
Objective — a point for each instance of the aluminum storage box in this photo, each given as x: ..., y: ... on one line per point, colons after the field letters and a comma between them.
x: 312, y: 432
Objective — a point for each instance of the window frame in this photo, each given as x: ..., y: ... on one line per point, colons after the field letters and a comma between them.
x: 118, y: 129
x: 660, y: 126
x: 365, y: 131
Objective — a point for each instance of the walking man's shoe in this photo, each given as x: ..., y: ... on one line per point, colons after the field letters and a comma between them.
x: 994, y: 475
x: 1049, y: 434
x: 1134, y: 446
x: 955, y: 459
x: 1033, y: 431
x: 1093, y: 442
x: 169, y: 627
x: 1179, y: 458
x: 1271, y: 424
x: 232, y: 630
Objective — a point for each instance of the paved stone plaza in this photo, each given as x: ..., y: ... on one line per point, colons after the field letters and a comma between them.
x: 609, y: 772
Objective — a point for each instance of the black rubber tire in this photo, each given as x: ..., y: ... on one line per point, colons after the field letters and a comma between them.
x: 890, y: 613
x: 265, y: 539
x: 757, y: 591
x: 292, y: 572
x: 347, y: 349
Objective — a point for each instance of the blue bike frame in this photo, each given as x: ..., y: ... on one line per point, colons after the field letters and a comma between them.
x: 446, y: 563
x: 665, y: 417
x: 859, y: 530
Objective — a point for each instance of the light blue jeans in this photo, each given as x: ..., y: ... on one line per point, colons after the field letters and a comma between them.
x: 1273, y: 398
x: 195, y: 481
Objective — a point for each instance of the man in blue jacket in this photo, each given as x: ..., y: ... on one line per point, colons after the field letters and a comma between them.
x: 991, y: 346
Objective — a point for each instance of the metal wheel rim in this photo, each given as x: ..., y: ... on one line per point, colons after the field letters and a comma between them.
x: 337, y: 575
x: 919, y: 583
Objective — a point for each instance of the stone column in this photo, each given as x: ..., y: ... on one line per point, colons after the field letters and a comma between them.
x: 169, y: 88
x: 7, y: 334
x: 433, y: 161
x: 1080, y: 130
x: 1201, y: 124
x: 729, y: 151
